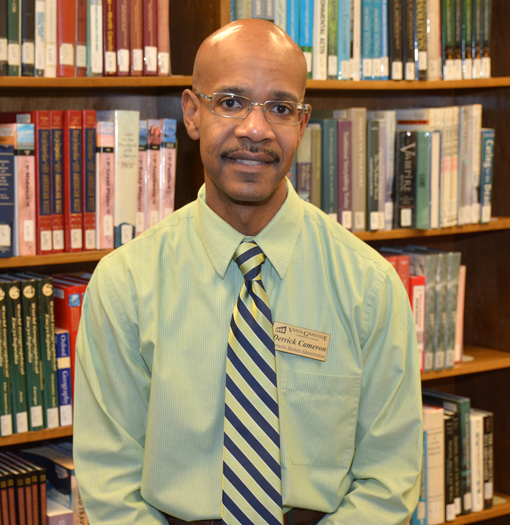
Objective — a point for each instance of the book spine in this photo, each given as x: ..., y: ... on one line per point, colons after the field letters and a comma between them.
x: 57, y: 179
x: 358, y: 117
x: 345, y: 173
x: 5, y: 368
x: 448, y: 37
x: 333, y: 15
x: 320, y: 40
x: 477, y: 37
x: 7, y: 194
x: 376, y: 39
x: 404, y: 270
x: 122, y: 36
x: 467, y: 39
x: 459, y: 325
x: 356, y: 40
x: 105, y: 184
x: 306, y: 21
x: 488, y: 460
x: 39, y: 51
x: 434, y: 39
x: 257, y: 9
x: 373, y: 167
x: 421, y: 37
x: 136, y: 37
x: 367, y: 30
x: 81, y: 38
x: 141, y: 192
x: 385, y: 53
x: 280, y: 14
x: 109, y: 38
x: 457, y: 47
x: 13, y: 38
x: 64, y: 376
x: 419, y: 516
x: 150, y: 37
x: 441, y: 308
x: 396, y: 38
x: 316, y: 172
x: 50, y: 35
x: 43, y: 226
x: 26, y: 200
x: 452, y: 292
x: 435, y: 179
x: 475, y: 147
x: 168, y: 167
x: 344, y: 40
x: 292, y: 17
x: 449, y: 431
x: 89, y: 179
x: 417, y: 298
x: 163, y: 7
x: 476, y: 422
x: 405, y: 180
x: 3, y: 38
x: 486, y: 38
x: 487, y: 164
x: 66, y: 37
x: 410, y: 44
x: 27, y: 38
x: 73, y: 209
x: 95, y: 38
x: 423, y: 201
x: 304, y: 166
x: 153, y: 139
x: 329, y: 203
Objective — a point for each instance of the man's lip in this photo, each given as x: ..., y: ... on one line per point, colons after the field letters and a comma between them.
x: 253, y: 157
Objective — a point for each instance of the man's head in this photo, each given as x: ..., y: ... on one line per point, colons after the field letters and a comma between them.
x: 246, y: 160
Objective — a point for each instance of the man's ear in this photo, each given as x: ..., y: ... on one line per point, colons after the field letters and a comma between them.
x: 190, y: 113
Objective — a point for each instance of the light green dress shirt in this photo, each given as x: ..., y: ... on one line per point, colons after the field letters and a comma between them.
x: 150, y: 372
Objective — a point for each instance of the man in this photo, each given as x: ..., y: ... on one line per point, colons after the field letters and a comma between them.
x: 171, y: 423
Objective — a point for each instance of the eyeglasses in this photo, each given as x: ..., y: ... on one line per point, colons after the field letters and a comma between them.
x: 236, y: 106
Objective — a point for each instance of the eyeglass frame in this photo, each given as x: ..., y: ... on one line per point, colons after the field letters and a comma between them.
x: 300, y: 106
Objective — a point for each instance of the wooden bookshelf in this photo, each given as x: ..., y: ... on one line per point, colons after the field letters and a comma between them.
x: 39, y: 435
x: 53, y: 259
x: 499, y: 510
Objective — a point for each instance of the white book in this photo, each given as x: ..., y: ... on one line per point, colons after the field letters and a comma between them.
x: 50, y: 35
x: 433, y: 39
x: 40, y: 39
x: 320, y: 40
x: 476, y: 144
x: 435, y: 179
x: 95, y: 38
x: 454, y: 182
x: 433, y: 424
x: 447, y: 168
x: 459, y: 325
x: 356, y: 40
x: 477, y: 448
x: 243, y: 9
x: 280, y: 14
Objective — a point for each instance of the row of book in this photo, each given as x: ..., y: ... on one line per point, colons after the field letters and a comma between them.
x: 458, y: 459
x: 384, y: 39
x: 38, y: 487
x: 423, y: 168
x: 82, y: 180
x: 435, y: 281
x: 40, y: 315
x: 68, y: 38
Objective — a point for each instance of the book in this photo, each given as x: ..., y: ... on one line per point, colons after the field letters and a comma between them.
x: 477, y: 451
x: 367, y: 30
x: 375, y: 220
x: 333, y: 16
x: 457, y: 41
x: 344, y: 40
x: 66, y: 38
x: 305, y: 34
x: 449, y: 468
x: 122, y: 36
x: 448, y: 38
x: 57, y: 179
x: 428, y: 167
x: 488, y: 456
x: 73, y: 181
x: 167, y: 168
x: 419, y: 516
x: 24, y: 190
x: 459, y: 324
x: 57, y: 514
x: 27, y: 15
x: 105, y: 185
x: 344, y: 131
x: 433, y: 424
x: 13, y: 38
x: 153, y: 166
x: 396, y: 35
x: 163, y: 8
x: 487, y: 165
x: 486, y: 39
x: 23, y: 493
x: 141, y: 191
x: 7, y: 194
x: 356, y: 40
x: 477, y: 37
x: 462, y: 405
x: 109, y: 38
x: 126, y: 166
x: 434, y: 39
x: 304, y: 165
x: 377, y: 8
x: 89, y: 179
x: 417, y: 298
x: 43, y: 227
x: 3, y: 39
x: 8, y: 496
x: 63, y: 356
x: 320, y: 40
x: 50, y: 37
x: 81, y: 38
x: 95, y: 38
x: 467, y: 39
x: 150, y: 37
x: 6, y: 428
x: 410, y: 40
x: 136, y: 37
x: 404, y: 215
x: 421, y: 38
x: 316, y: 165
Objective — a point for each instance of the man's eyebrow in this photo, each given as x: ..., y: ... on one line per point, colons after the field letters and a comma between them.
x: 274, y: 95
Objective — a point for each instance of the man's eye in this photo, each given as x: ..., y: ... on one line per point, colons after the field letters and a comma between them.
x: 231, y: 103
x: 281, y: 109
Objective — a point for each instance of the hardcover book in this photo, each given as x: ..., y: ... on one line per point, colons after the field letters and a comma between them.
x: 7, y: 194
x: 81, y: 38
x: 13, y: 38
x: 95, y: 38
x: 57, y: 179
x: 66, y: 38
x: 153, y: 164
x: 163, y: 7
x: 122, y: 36
x: 345, y: 173
x: 136, y: 37
x: 150, y: 37
x: 89, y: 179
x: 5, y: 367
x: 168, y: 167
x: 63, y: 355
x: 405, y: 180
x: 109, y: 38
x: 487, y: 165
x: 141, y: 192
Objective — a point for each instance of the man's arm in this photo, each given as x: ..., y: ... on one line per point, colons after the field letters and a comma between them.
x: 112, y: 385
x: 387, y: 461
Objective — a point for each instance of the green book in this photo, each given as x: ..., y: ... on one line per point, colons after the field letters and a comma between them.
x: 423, y: 154
x: 316, y: 185
x: 333, y: 13
x: 13, y: 38
x: 373, y: 177
x: 448, y: 37
x: 467, y: 38
x: 5, y: 368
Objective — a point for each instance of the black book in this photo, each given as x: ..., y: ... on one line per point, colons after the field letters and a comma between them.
x: 405, y: 180
x: 27, y: 15
x: 449, y: 449
x: 410, y: 40
x: 396, y: 39
x: 3, y: 37
x: 23, y: 492
x: 421, y: 38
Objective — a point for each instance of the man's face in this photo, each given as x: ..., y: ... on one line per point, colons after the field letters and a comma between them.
x: 246, y: 160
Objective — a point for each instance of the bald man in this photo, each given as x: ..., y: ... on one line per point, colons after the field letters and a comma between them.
x: 153, y: 440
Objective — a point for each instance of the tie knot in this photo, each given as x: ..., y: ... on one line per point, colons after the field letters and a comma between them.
x: 249, y: 257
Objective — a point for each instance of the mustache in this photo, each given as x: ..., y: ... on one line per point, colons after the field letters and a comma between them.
x: 250, y: 149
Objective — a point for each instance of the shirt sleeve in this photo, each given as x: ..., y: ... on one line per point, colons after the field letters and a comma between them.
x: 112, y: 385
x: 385, y: 471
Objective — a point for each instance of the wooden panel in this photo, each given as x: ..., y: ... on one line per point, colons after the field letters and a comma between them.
x: 499, y: 38
x: 40, y: 435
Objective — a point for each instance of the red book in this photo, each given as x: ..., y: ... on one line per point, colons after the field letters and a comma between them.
x: 89, y: 179
x: 122, y: 36
x: 163, y: 37
x: 403, y: 264
x: 8, y: 495
x: 81, y: 38
x: 136, y: 37
x: 42, y: 121
x: 66, y: 37
x: 73, y: 208
x: 109, y: 38
x: 150, y: 37
x: 417, y: 298
x: 57, y: 179
x: 68, y: 299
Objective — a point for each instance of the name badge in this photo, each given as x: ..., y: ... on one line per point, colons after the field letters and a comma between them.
x: 300, y: 341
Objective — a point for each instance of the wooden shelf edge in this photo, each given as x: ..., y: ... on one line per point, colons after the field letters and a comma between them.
x: 497, y: 223
x: 39, y: 435
x: 503, y: 509
x: 96, y: 82
x: 52, y: 259
x: 484, y: 360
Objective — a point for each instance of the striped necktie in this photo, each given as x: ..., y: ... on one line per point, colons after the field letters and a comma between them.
x: 252, y: 492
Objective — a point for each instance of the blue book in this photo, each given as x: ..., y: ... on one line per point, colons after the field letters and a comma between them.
x: 344, y: 39
x: 376, y: 38
x: 293, y: 19
x: 306, y: 32
x: 7, y: 180
x: 385, y: 59
x: 64, y: 376
x: 367, y: 47
x: 486, y: 174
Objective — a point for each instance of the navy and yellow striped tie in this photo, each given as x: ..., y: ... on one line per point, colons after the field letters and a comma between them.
x: 252, y: 488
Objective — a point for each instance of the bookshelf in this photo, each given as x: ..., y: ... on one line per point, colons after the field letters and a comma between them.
x: 485, y: 248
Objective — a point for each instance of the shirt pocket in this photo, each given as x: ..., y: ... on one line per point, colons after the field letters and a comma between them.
x: 318, y: 413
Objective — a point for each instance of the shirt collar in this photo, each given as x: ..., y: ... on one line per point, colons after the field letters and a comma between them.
x: 277, y: 240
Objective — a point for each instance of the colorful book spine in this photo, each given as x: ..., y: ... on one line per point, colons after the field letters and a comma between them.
x: 141, y: 192
x: 168, y: 167
x: 344, y: 40
x: 66, y: 38
x: 367, y: 30
x: 417, y: 298
x: 423, y: 189
x: 136, y: 37
x: 486, y: 38
x: 345, y: 173
x: 63, y: 356
x: 329, y: 194
x: 27, y: 13
x: 122, y: 36
x: 81, y: 38
x: 333, y: 20
x: 57, y: 179
x: 356, y: 40
x: 50, y: 36
x: 5, y: 368
x: 25, y: 200
x: 109, y: 38
x: 304, y: 166
x: 13, y: 38
x: 320, y: 40
x: 163, y: 7
x: 105, y: 185
x: 487, y: 164
x: 89, y: 179
x: 396, y: 38
x: 153, y: 163
x: 306, y: 24
x: 292, y: 18
x: 72, y: 184
x: 43, y: 226
x: 405, y: 180
x: 467, y: 38
x: 150, y: 37
x: 7, y: 194
x: 95, y: 38
x: 421, y: 38
x: 40, y: 38
x: 377, y: 6
x: 385, y: 53
x: 410, y: 39
x: 373, y: 179
x: 3, y: 39
x: 316, y: 173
